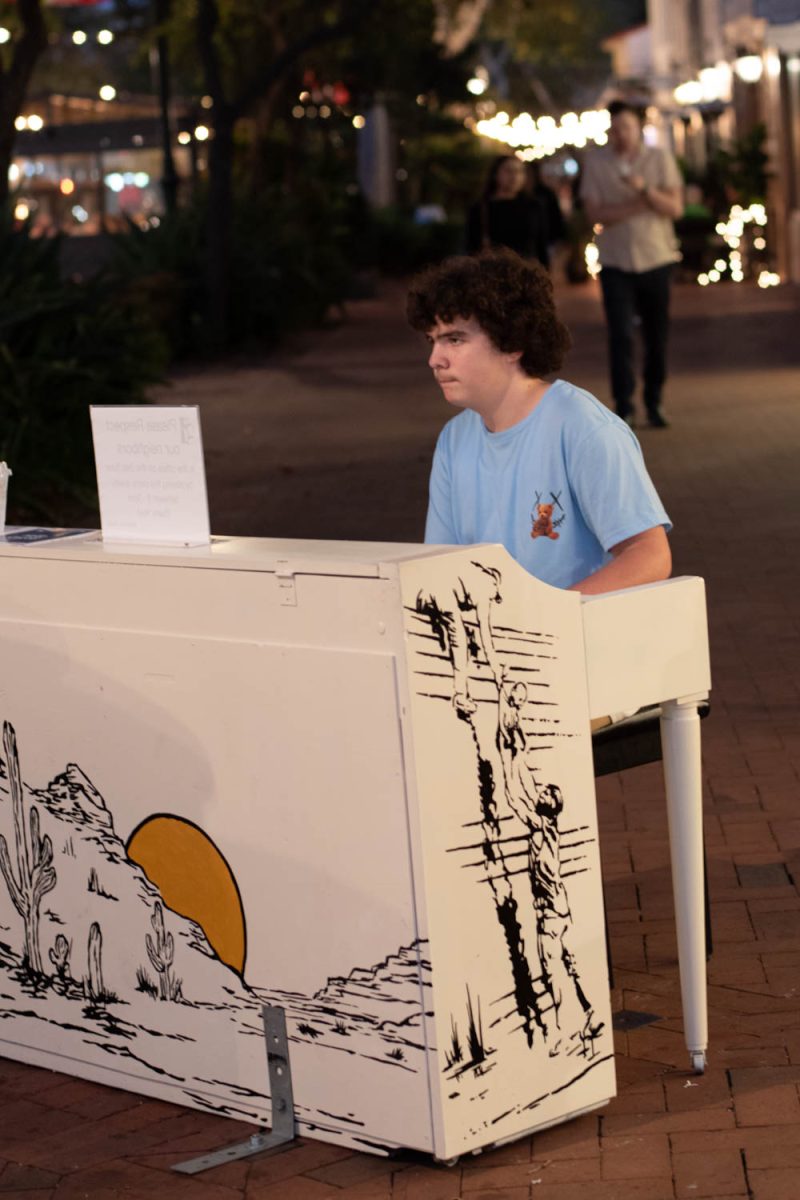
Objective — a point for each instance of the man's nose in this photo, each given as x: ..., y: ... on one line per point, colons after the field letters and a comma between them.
x: 436, y: 357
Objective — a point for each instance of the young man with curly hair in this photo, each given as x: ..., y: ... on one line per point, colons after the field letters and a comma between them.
x: 541, y: 467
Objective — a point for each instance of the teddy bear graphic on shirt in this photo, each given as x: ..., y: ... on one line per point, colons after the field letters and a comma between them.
x: 543, y: 522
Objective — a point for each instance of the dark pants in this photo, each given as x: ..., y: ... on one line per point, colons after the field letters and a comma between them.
x: 627, y: 294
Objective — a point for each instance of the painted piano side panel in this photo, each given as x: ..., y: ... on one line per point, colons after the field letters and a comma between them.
x: 505, y: 792
x: 192, y: 827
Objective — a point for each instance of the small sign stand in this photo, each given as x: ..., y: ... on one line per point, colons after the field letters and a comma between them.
x: 280, y: 1089
x: 151, y: 478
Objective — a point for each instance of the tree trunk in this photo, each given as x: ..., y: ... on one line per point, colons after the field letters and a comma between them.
x: 14, y: 81
x: 219, y: 218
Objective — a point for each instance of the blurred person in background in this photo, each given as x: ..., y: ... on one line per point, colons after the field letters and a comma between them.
x: 508, y: 213
x: 634, y: 192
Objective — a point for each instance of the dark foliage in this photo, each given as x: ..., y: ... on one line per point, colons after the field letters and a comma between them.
x: 63, y: 347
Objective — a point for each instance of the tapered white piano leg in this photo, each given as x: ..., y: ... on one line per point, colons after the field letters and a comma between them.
x: 680, y: 740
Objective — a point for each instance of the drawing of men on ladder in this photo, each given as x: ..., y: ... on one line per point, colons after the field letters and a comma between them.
x: 539, y: 809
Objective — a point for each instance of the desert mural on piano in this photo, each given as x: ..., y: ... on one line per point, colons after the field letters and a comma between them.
x: 131, y: 956
x: 503, y: 740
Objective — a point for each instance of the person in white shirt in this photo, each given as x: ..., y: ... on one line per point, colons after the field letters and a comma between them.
x: 634, y: 192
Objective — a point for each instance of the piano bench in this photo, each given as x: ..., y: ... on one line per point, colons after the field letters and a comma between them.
x: 631, y: 742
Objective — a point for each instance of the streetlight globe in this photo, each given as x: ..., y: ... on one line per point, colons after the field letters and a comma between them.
x: 749, y: 68
x: 107, y: 92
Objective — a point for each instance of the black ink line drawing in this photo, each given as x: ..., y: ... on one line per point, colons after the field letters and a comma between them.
x: 35, y: 874
x: 539, y: 808
x: 161, y: 953
x: 112, y: 1011
x: 542, y: 980
x: 478, y: 1053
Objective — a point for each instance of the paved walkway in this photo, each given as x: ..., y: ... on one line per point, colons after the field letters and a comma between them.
x: 333, y: 439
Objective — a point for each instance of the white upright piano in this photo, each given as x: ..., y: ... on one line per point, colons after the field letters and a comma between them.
x: 348, y: 780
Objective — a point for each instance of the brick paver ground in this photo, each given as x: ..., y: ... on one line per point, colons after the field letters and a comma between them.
x: 333, y: 439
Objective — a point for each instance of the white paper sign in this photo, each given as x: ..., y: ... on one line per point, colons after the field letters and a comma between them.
x: 151, y: 477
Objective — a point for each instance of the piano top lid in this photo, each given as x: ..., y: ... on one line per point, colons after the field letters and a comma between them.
x: 293, y: 556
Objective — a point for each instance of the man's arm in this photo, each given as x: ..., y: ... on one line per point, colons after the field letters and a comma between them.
x: 611, y: 214
x: 643, y: 558
x: 666, y: 201
x: 483, y: 612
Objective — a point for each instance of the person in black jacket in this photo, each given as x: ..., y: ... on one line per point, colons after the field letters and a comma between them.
x: 509, y: 213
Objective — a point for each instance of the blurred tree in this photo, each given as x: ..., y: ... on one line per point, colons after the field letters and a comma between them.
x: 247, y: 51
x: 552, y: 52
x: 250, y: 54
x: 18, y: 57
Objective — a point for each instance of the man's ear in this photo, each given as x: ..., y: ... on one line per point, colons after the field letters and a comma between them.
x: 514, y: 355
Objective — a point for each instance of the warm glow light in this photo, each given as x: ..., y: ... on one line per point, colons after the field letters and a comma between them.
x: 79, y: 37
x: 206, y: 102
x: 105, y: 37
x: 107, y: 92
x: 35, y: 122
x: 359, y: 122
x: 324, y: 110
x: 690, y: 92
x: 533, y: 139
x: 476, y: 86
x: 592, y: 260
x: 66, y: 187
x: 202, y: 133
x: 732, y: 232
x: 749, y: 68
x: 13, y: 173
x: 184, y: 138
x: 20, y: 123
x: 5, y: 34
x: 22, y: 212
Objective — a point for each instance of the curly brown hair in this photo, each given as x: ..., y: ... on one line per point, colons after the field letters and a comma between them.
x: 510, y: 298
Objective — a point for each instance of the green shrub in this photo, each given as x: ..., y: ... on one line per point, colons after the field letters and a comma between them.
x: 63, y: 347
x: 288, y: 266
x: 402, y: 246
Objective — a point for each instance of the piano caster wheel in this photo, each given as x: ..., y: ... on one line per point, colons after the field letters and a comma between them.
x: 446, y: 1162
x: 698, y: 1062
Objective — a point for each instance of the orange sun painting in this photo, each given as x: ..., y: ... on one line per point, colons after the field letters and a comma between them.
x: 194, y: 880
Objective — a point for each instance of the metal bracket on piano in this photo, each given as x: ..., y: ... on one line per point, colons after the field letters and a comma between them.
x: 287, y: 588
x: 280, y: 1090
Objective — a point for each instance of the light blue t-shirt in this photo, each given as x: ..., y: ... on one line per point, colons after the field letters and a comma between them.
x: 558, y: 489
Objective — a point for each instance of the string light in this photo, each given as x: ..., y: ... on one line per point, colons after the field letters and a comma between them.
x: 732, y: 231
x: 592, y: 259
x: 534, y: 139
